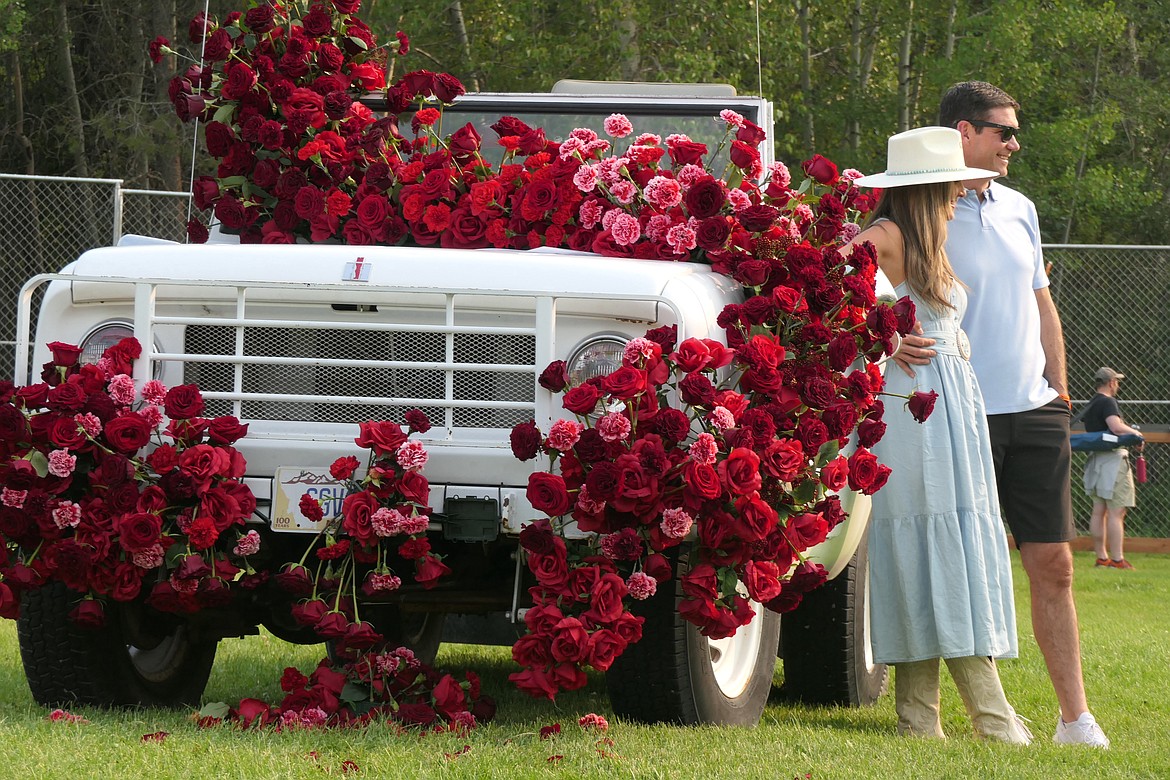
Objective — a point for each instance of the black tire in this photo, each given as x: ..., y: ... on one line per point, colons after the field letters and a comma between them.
x: 422, y: 632
x: 66, y: 664
x: 825, y: 642
x: 675, y: 674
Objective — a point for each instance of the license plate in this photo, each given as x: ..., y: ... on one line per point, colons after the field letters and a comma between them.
x: 290, y: 483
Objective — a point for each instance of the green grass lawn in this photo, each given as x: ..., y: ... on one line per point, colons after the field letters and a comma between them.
x: 1125, y: 630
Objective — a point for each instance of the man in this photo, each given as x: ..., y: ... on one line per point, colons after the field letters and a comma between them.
x: 1017, y: 351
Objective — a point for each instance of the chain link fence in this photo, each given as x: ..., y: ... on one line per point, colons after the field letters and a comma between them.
x: 1112, y: 301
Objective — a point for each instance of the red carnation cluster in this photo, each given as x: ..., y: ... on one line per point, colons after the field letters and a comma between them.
x: 83, y: 505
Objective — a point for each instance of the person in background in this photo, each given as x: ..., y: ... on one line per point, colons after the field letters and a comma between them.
x: 940, y: 572
x: 1108, y: 476
x: 1017, y: 348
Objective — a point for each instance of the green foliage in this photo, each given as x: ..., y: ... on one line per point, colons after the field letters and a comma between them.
x: 1092, y: 78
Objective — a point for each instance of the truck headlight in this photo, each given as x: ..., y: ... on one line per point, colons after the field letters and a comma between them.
x: 106, y: 335
x: 599, y: 356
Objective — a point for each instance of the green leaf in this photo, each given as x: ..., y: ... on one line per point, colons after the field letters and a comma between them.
x: 224, y: 113
x: 214, y: 709
x: 827, y: 452
x: 358, y: 42
x: 39, y: 462
x: 232, y: 181
x: 354, y: 693
x: 805, y: 492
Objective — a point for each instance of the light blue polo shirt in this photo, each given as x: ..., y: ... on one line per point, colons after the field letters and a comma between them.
x: 994, y: 246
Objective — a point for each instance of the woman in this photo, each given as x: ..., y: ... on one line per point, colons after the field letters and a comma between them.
x: 940, y: 574
x: 1108, y: 476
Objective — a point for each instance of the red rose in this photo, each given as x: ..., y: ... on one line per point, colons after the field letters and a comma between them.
x: 863, y: 467
x: 551, y: 571
x: 870, y: 431
x: 64, y: 355
x: 762, y: 579
x: 548, y: 494
x: 89, y: 614
x: 535, y: 682
x: 428, y: 570
x: 807, y: 529
x: 686, y: 152
x: 604, y: 648
x: 705, y: 198
x: 783, y: 459
x: 701, y: 481
x: 758, y: 218
x: 464, y: 143
x: 356, y: 511
x: 138, y: 531
x: 701, y: 582
x: 835, y: 473
x: 740, y: 472
x: 570, y: 641
x: 906, y: 314
x: 464, y: 231
x: 183, y: 402
x: 922, y: 404
x: 525, y: 439
x: 821, y: 169
x: 415, y: 488
x: 383, y: 437
x: 744, y: 156
x: 226, y: 430
x: 582, y: 399
x: 605, y: 598
x: 554, y: 378
x: 127, y: 433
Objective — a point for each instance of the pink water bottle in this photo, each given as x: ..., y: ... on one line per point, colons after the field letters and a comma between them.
x: 1140, y: 468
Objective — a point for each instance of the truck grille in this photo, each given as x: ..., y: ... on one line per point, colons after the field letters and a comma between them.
x: 479, y: 370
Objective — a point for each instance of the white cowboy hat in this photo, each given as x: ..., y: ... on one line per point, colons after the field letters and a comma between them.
x: 924, y: 155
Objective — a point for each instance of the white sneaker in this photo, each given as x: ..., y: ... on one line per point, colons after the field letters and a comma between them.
x: 1082, y: 731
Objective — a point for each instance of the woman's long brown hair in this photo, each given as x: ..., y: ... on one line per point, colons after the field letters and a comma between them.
x: 920, y: 212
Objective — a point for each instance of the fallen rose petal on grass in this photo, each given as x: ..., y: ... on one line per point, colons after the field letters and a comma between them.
x: 58, y: 715
x: 156, y: 736
x: 547, y: 732
x: 458, y: 753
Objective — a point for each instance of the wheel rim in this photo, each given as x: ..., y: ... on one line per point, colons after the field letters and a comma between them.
x: 733, y: 660
x: 158, y: 664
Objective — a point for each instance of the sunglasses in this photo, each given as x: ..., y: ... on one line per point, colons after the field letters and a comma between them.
x: 1007, y: 132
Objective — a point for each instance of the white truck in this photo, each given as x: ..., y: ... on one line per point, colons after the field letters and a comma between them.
x: 303, y: 342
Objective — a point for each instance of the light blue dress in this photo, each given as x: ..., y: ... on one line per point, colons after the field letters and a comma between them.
x: 940, y: 575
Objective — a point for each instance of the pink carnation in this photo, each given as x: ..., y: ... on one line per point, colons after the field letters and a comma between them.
x: 67, y: 514
x: 121, y: 390
x: 722, y: 418
x: 564, y: 434
x: 387, y: 664
x: 610, y: 169
x: 739, y: 199
x: 249, y: 544
x: 412, y: 456
x: 625, y: 191
x: 681, y: 239
x: 618, y: 126
x: 586, y: 178
x: 590, y: 213
x: 583, y: 134
x: 849, y: 231
x: 593, y: 721
x: 778, y: 172
x: 731, y: 118
x: 614, y: 427
x: 803, y: 213
x: 149, y: 559
x: 154, y: 392
x: 851, y: 174
x: 90, y: 423
x: 639, y: 349
x: 571, y: 148
x: 383, y: 583
x: 587, y: 503
x: 61, y: 463
x: 690, y: 173
x: 625, y: 228
x: 413, y: 524
x: 676, y: 523
x: 152, y: 414
x: 386, y: 522
x: 657, y: 226
x: 13, y: 498
x: 648, y: 139
x: 663, y: 193
x: 703, y: 450
x: 641, y: 585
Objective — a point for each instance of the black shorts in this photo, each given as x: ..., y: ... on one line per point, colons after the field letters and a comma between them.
x: 1033, y: 464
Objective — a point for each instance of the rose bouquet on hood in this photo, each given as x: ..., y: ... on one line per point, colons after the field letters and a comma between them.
x: 732, y: 448
x: 120, y: 492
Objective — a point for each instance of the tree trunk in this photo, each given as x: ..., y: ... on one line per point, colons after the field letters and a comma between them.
x: 22, y: 140
x: 802, y: 14
x: 854, y: 129
x: 459, y: 31
x: 627, y: 33
x: 904, y: 98
x: 73, y: 121
x: 167, y: 160
x: 1072, y: 207
x: 949, y: 34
